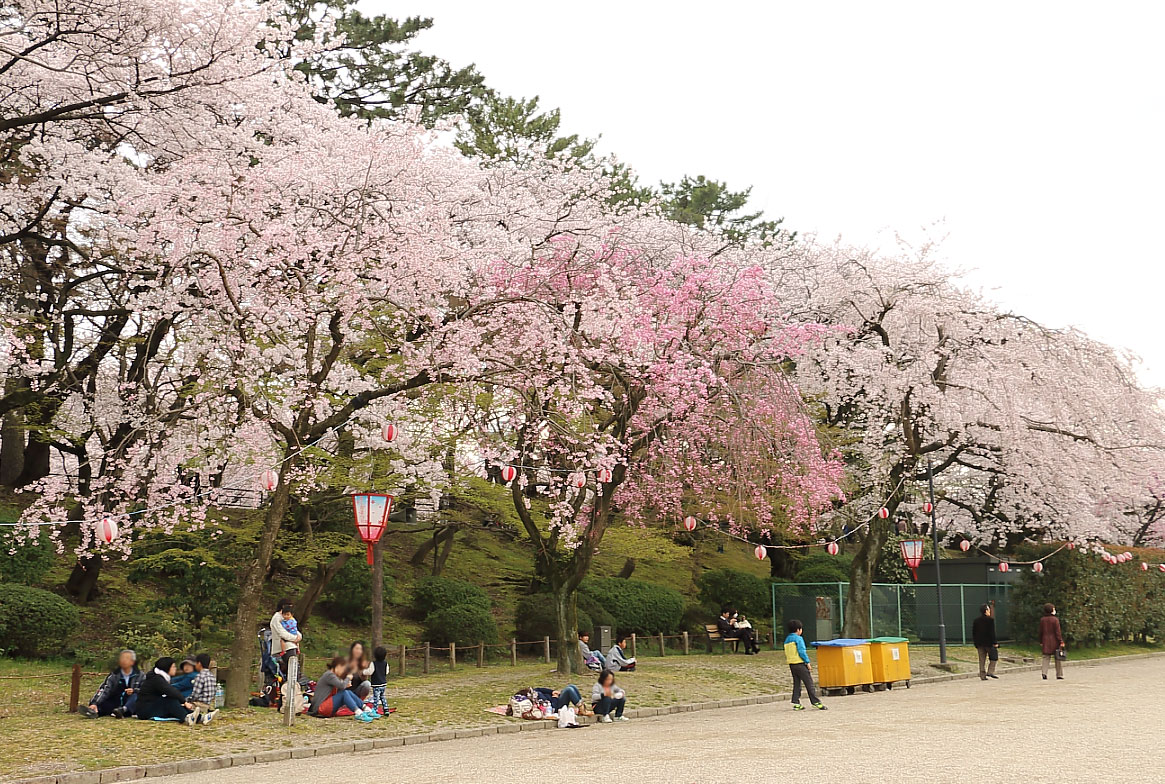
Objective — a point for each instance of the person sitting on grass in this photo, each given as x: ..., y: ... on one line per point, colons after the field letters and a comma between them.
x: 567, y: 695
x: 184, y: 680
x: 607, y: 698
x: 332, y: 694
x: 617, y: 660
x: 203, y: 689
x: 799, y: 666
x: 118, y: 692
x: 592, y: 659
x: 157, y: 699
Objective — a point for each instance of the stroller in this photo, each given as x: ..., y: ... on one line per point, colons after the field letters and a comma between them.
x: 273, y: 677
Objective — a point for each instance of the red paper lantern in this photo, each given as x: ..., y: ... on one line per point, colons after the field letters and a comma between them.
x: 1004, y: 566
x: 107, y: 529
x: 928, y: 507
x: 965, y: 545
x: 388, y: 432
x: 761, y: 552
x: 690, y: 523
x: 579, y: 481
x: 1037, y: 567
x: 1161, y: 567
x: 912, y: 554
x: 508, y: 473
x: 832, y: 548
x: 604, y: 475
x: 1071, y: 545
x: 883, y: 513
x: 371, y: 511
x: 1144, y: 566
x: 268, y: 480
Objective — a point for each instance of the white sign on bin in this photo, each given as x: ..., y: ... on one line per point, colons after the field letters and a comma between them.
x: 857, y: 655
x: 894, y: 654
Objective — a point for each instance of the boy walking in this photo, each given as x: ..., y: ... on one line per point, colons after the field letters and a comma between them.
x: 379, y: 680
x: 798, y: 660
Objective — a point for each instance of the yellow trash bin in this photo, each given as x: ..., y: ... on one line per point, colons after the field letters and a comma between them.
x: 891, y: 660
x: 844, y: 663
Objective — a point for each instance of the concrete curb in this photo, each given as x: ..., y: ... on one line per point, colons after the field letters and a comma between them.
x: 132, y: 772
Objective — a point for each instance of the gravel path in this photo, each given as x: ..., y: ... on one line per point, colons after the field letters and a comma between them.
x: 1102, y: 723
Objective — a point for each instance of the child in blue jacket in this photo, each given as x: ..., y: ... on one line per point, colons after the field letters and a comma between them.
x: 798, y: 660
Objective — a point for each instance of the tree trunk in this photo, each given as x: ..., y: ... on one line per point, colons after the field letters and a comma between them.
x: 377, y: 636
x: 861, y: 577
x: 243, y: 644
x: 781, y: 565
x: 627, y: 570
x: 36, y: 459
x: 441, y: 558
x: 324, y: 575
x: 566, y: 620
x: 12, y: 441
x: 82, y: 582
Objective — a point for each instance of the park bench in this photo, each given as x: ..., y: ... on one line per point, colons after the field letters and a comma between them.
x: 714, y: 635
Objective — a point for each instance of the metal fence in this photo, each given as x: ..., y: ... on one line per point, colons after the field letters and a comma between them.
x: 909, y: 611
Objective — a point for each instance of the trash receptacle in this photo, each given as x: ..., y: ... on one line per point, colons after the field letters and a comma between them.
x: 891, y: 660
x: 844, y: 663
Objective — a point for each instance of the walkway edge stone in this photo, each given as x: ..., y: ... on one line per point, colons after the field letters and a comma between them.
x: 133, y: 772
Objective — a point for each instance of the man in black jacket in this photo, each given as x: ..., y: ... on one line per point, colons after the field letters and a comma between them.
x: 983, y: 635
x: 157, y: 699
x: 116, y: 695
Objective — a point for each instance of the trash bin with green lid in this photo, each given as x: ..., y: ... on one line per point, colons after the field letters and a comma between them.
x: 891, y: 660
x: 843, y: 663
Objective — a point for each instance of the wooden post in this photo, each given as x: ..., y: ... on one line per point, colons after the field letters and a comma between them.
x: 481, y: 654
x: 546, y: 648
x: 633, y: 653
x: 513, y: 652
x: 425, y: 670
x: 685, y: 638
x: 661, y: 653
x: 452, y: 655
x: 289, y: 706
x: 75, y: 688
x: 400, y: 670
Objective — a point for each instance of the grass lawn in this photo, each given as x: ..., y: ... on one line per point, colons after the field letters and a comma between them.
x: 42, y: 738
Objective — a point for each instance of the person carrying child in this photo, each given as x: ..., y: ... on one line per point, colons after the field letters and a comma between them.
x: 379, y: 679
x: 799, y: 666
x: 285, y: 629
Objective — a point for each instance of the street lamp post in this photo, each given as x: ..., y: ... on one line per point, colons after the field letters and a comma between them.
x: 938, y: 577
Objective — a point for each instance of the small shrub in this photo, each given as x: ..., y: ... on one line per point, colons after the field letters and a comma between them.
x: 35, y: 622
x: 24, y: 562
x: 746, y: 592
x: 464, y: 624
x: 193, y: 584
x: 536, y: 617
x: 440, y: 593
x: 637, y: 607
x: 596, y: 612
x: 348, y: 596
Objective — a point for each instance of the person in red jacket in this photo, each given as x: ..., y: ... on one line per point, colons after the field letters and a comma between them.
x: 1051, y: 641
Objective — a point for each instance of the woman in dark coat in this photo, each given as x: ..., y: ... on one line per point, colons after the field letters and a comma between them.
x: 157, y: 699
x: 983, y: 635
x: 1051, y: 641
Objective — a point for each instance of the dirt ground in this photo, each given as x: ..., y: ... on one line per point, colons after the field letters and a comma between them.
x: 1101, y: 723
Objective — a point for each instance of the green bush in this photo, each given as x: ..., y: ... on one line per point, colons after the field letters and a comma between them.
x: 637, y: 607
x: 1096, y: 602
x: 464, y: 624
x: 596, y: 612
x: 441, y: 593
x: 348, y: 597
x: 536, y: 617
x: 746, y: 592
x: 34, y: 622
x: 24, y: 562
x: 192, y: 583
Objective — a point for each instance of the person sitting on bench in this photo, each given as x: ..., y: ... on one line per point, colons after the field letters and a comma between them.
x: 726, y: 625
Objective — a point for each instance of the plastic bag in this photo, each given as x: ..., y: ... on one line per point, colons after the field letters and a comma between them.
x: 566, y: 717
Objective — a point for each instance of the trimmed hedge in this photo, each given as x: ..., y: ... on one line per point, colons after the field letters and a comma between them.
x: 637, y: 607
x: 536, y: 617
x: 464, y: 624
x: 34, y: 622
x: 1096, y: 602
x: 746, y: 592
x: 441, y: 593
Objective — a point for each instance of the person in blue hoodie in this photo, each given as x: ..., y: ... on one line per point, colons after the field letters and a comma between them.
x: 798, y: 660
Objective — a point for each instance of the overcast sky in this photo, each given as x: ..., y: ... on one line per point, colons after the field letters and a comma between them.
x: 1030, y: 135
